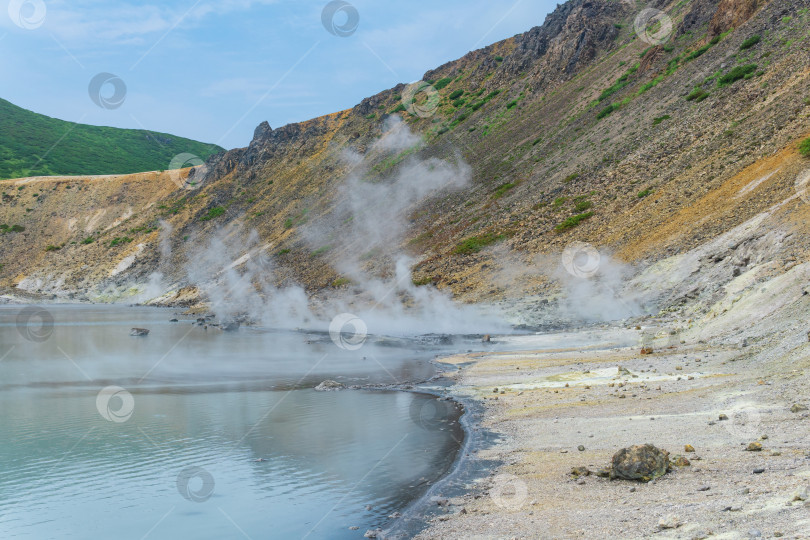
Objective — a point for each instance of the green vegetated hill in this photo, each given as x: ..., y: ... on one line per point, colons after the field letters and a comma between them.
x: 576, y: 130
x: 28, y: 147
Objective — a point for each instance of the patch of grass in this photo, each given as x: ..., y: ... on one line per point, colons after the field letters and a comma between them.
x: 320, y: 251
x: 478, y: 104
x: 700, y: 51
x: 421, y: 282
x: 474, y: 244
x: 697, y: 95
x: 804, y: 147
x: 739, y: 72
x: 371, y: 116
x: 644, y: 193
x: 620, y: 83
x: 558, y: 202
x: 12, y: 229
x: 660, y: 119
x: 88, y: 240
x: 607, y: 110
x: 573, y: 221
x: 340, y: 282
x: 52, y: 248
x: 213, y: 213
x: 398, y: 108
x: 499, y: 58
x: 501, y: 190
x: 582, y: 205
x: 282, y: 251
x: 441, y: 83
x: 570, y: 178
x: 750, y: 42
x: 512, y: 104
x: 455, y: 95
x: 288, y: 223
x: 120, y: 241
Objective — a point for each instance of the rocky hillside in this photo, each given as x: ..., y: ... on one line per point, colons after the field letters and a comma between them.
x: 577, y: 130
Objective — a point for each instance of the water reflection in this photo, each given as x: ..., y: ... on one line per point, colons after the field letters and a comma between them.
x: 224, y: 419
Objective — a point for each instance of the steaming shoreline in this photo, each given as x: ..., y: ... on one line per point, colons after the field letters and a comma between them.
x: 549, y: 402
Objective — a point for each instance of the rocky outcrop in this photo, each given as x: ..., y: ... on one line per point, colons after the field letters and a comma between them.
x: 731, y: 14
x: 642, y: 462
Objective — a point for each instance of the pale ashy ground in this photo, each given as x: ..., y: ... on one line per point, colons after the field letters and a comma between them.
x: 747, y: 357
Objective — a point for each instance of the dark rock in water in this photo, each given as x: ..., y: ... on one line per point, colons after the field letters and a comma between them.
x: 201, y: 320
x: 139, y: 332
x: 230, y: 326
x: 643, y: 462
x: 173, y: 320
x: 329, y: 385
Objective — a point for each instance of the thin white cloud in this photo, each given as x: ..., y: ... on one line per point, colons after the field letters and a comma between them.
x: 93, y: 23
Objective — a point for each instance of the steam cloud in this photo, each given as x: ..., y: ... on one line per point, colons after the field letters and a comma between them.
x: 364, y: 230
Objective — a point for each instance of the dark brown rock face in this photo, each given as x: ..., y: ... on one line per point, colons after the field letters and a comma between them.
x: 731, y: 14
x: 643, y: 462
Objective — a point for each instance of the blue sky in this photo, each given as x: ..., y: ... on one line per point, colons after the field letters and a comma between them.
x: 212, y: 70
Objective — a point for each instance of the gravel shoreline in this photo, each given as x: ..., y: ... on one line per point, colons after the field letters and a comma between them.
x: 575, y: 407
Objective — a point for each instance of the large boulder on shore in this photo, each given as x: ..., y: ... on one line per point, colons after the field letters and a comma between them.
x: 642, y: 462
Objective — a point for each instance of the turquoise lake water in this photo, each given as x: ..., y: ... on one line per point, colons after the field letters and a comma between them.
x: 194, y: 433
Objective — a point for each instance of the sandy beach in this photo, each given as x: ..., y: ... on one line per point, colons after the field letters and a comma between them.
x: 565, y: 407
